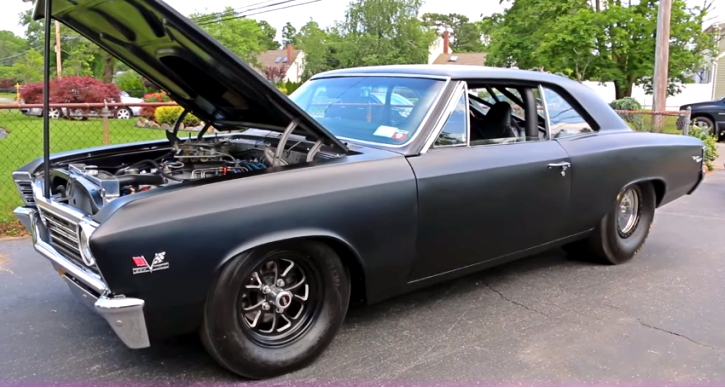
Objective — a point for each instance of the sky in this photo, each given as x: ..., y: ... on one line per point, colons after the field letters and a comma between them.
x: 324, y: 12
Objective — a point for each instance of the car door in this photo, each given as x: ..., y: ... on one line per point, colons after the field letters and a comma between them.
x: 478, y: 202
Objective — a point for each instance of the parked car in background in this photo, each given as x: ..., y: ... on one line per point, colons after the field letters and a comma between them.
x: 709, y: 116
x: 260, y: 240
x: 125, y: 113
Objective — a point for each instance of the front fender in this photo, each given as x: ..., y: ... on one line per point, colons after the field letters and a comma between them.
x: 289, y: 234
x: 368, y: 204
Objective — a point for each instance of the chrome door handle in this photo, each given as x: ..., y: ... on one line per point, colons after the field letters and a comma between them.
x: 560, y: 164
x: 563, y: 165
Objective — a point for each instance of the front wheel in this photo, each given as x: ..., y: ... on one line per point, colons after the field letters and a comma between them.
x: 623, y: 230
x: 274, y: 310
x: 123, y: 114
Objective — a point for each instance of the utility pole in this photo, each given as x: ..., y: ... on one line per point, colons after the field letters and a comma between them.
x: 662, y: 56
x: 58, y: 59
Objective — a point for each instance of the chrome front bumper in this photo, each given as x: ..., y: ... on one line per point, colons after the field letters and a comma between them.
x: 125, y: 315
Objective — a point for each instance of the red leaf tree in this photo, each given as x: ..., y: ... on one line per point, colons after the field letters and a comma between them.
x: 72, y: 90
x: 275, y: 74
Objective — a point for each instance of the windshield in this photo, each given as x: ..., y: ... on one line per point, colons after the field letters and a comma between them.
x: 385, y: 110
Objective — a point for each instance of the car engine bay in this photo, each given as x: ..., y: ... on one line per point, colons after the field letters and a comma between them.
x: 91, y: 184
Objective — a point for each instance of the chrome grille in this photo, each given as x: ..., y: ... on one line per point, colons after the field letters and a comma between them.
x: 64, y: 237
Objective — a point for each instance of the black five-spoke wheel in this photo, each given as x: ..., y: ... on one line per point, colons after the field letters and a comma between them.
x: 275, y: 309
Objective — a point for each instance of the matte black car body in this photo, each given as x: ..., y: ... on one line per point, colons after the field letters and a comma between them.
x: 400, y: 217
x: 713, y: 112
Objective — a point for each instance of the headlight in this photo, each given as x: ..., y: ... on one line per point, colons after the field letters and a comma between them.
x: 86, y: 229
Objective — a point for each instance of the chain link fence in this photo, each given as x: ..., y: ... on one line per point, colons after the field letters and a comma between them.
x: 72, y: 127
x: 673, y: 122
x: 77, y: 126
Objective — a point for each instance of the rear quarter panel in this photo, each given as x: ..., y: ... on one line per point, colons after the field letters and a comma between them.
x: 604, y: 163
x: 369, y: 204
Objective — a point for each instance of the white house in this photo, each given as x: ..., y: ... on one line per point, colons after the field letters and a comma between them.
x: 290, y: 60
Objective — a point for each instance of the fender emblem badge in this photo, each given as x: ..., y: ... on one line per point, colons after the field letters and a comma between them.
x: 142, y: 265
x: 697, y: 158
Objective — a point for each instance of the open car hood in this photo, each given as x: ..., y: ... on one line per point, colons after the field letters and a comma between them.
x: 195, y: 70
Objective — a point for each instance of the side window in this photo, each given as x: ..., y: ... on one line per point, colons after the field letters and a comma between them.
x: 564, y: 120
x: 455, y: 129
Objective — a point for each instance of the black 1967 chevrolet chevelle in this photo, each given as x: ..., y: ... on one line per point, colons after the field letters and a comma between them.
x: 362, y: 185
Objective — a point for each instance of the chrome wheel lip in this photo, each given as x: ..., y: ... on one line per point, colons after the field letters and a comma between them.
x: 628, y: 212
x: 276, y: 307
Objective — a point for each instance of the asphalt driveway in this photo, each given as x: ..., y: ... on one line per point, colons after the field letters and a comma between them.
x: 658, y: 320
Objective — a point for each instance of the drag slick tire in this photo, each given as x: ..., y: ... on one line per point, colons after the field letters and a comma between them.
x: 274, y: 309
x: 623, y: 230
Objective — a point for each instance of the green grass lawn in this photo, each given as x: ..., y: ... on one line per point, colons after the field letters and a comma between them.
x: 25, y: 143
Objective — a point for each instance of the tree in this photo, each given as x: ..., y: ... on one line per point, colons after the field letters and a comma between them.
x: 289, y: 35
x: 269, y: 33
x: 466, y: 36
x: 29, y: 68
x: 380, y: 32
x: 275, y: 74
x: 606, y: 41
x: 320, y: 49
x: 11, y: 46
x: 242, y: 36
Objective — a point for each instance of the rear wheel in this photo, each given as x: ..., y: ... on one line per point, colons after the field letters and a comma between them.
x: 274, y: 310
x: 623, y: 230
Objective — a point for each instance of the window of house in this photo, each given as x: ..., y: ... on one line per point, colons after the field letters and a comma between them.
x: 564, y: 120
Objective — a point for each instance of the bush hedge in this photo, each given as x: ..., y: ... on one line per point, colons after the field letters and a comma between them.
x: 169, y: 114
x: 630, y: 104
x: 710, y: 145
x: 81, y: 89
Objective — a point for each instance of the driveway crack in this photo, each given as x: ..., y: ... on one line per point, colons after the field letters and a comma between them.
x: 515, y: 302
x: 677, y: 335
x: 647, y: 325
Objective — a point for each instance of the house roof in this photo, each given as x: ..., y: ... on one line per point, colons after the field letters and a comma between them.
x: 275, y: 58
x: 717, y: 25
x: 477, y: 59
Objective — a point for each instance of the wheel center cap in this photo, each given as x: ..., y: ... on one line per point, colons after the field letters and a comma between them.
x: 283, y: 299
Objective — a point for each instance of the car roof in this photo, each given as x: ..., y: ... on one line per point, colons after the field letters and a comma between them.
x: 581, y: 95
x: 453, y: 72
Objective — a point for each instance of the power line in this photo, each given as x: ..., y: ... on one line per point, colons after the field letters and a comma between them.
x: 210, y: 16
x: 19, y: 54
x: 236, y: 12
x: 224, y: 19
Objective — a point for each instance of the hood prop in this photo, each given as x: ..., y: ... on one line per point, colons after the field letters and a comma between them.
x: 46, y: 100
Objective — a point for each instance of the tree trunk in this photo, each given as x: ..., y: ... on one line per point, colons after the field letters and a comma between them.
x: 623, y: 89
x: 628, y: 89
x: 108, y: 68
x: 618, y: 92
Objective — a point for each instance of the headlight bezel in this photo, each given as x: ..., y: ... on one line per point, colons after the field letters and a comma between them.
x: 86, y: 228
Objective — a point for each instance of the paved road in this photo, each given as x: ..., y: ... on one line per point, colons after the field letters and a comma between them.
x: 541, y: 321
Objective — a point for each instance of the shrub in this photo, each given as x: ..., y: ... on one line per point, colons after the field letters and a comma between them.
x: 169, y: 114
x: 7, y: 83
x: 282, y: 89
x: 710, y: 144
x: 72, y: 90
x: 290, y: 86
x: 149, y: 112
x: 132, y: 83
x: 630, y: 104
x: 32, y: 93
